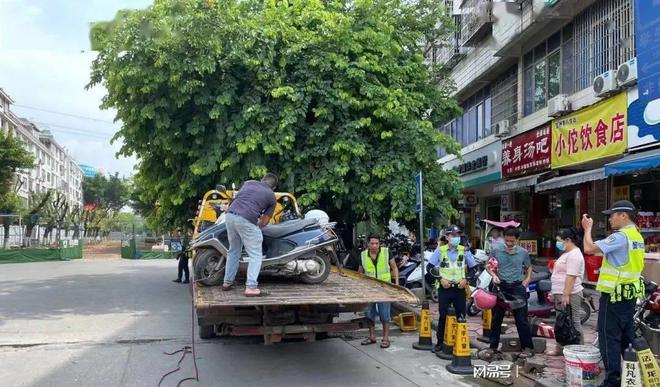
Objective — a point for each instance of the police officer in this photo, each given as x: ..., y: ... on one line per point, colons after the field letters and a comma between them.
x: 619, y: 282
x: 450, y: 261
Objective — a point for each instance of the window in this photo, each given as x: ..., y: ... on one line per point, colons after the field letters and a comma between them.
x: 505, y: 98
x: 602, y: 39
x: 542, y: 75
x: 475, y: 122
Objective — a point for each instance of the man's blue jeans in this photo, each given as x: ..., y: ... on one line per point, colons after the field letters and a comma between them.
x: 241, y: 232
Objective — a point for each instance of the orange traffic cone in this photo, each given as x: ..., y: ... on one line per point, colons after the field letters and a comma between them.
x: 450, y: 336
x: 461, y: 363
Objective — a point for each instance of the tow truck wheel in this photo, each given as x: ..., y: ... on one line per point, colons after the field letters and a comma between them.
x: 204, y: 263
x: 322, y: 274
x: 206, y: 332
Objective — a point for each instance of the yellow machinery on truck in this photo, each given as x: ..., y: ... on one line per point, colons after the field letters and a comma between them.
x: 216, y: 201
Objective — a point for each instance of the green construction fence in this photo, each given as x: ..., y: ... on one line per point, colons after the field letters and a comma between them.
x: 67, y: 250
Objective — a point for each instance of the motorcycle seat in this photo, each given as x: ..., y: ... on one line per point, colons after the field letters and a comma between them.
x: 538, y: 276
x: 286, y: 228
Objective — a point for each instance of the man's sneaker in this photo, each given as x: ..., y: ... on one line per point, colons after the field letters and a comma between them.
x: 186, y: 281
x: 437, y: 348
x: 177, y: 280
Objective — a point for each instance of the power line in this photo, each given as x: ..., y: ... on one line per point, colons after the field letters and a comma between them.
x: 64, y: 114
x: 63, y: 128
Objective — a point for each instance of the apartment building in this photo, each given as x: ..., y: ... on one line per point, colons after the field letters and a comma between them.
x: 55, y: 168
x: 550, y: 102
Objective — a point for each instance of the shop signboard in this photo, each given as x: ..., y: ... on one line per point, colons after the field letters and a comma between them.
x: 590, y: 134
x: 531, y: 245
x: 479, y: 166
x: 643, y: 120
x: 647, y: 35
x: 527, y: 153
x: 470, y: 199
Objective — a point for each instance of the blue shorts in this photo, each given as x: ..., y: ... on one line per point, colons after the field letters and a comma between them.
x: 384, y: 312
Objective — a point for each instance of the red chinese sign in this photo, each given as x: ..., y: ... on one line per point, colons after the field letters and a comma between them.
x: 527, y: 153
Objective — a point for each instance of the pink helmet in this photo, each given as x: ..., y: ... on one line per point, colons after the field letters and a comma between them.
x: 484, y: 299
x: 492, y: 263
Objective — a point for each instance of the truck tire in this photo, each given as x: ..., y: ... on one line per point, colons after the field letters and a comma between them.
x: 204, y: 262
x: 206, y: 332
x: 322, y: 275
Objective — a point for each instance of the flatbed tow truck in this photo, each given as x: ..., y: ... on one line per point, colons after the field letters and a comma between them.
x: 292, y: 309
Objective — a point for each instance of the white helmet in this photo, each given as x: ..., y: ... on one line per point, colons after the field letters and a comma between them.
x: 320, y: 215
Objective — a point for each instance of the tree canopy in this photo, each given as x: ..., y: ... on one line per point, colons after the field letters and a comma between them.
x: 333, y: 96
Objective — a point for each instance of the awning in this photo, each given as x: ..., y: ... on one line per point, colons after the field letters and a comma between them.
x: 515, y: 184
x: 576, y: 178
x: 635, y: 162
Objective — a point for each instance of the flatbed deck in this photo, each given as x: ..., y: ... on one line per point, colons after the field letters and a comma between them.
x: 346, y: 288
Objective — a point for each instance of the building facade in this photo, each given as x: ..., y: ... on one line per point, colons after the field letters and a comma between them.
x: 547, y: 110
x: 55, y: 169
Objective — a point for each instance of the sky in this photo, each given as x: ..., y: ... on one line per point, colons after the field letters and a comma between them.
x: 45, y: 63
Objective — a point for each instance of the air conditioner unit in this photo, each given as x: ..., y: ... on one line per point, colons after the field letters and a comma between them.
x: 626, y: 74
x: 501, y: 128
x: 605, y: 84
x: 559, y: 105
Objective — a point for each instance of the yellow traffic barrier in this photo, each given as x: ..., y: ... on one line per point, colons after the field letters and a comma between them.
x: 425, y: 342
x: 406, y: 321
x: 486, y: 321
x: 630, y: 376
x: 449, y: 337
x: 647, y: 363
x: 461, y: 363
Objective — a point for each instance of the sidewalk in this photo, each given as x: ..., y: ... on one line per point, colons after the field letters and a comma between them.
x: 554, y: 365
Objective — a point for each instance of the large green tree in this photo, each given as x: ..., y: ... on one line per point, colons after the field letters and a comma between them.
x: 333, y: 96
x: 13, y: 156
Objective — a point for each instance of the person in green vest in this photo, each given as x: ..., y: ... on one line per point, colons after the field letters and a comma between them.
x: 448, y: 263
x: 619, y: 283
x: 375, y: 262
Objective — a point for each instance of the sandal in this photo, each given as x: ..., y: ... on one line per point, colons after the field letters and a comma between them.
x: 227, y: 287
x: 385, y: 344
x: 368, y: 341
x: 260, y: 293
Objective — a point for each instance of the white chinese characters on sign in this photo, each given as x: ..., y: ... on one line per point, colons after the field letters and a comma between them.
x: 495, y: 371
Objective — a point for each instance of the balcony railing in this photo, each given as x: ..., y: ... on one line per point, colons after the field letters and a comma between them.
x: 476, y: 21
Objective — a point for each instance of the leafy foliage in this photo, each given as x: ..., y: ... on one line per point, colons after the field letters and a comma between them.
x: 333, y: 96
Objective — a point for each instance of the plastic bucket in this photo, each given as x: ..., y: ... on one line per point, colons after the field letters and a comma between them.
x: 592, y: 265
x: 582, y: 367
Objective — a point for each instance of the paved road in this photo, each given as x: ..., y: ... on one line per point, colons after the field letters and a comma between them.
x: 108, y: 322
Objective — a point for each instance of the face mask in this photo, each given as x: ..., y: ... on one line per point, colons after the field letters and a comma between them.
x: 560, y: 245
x: 455, y: 241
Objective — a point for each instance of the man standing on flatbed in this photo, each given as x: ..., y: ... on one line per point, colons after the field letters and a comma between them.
x: 249, y: 211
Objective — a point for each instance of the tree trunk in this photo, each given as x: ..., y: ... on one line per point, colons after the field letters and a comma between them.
x: 5, y: 226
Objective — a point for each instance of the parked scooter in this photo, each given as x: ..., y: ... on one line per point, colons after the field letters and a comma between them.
x: 415, y: 279
x: 303, y: 248
x: 647, y: 316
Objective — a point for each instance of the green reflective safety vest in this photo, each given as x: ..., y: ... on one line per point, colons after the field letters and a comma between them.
x: 381, y: 268
x: 624, y: 282
x: 451, y: 270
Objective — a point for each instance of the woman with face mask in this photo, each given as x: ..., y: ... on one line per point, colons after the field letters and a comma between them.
x: 567, y: 277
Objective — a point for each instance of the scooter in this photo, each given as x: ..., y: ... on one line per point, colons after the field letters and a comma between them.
x: 302, y: 248
x: 539, y: 301
x: 415, y: 279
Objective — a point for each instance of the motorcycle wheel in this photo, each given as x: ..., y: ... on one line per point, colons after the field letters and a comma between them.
x: 586, y: 311
x: 433, y: 292
x: 204, y: 263
x: 472, y: 309
x: 323, y: 273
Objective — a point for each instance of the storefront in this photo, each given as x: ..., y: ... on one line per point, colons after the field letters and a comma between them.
x: 480, y: 170
x: 582, y: 143
x: 636, y: 177
x: 525, y: 158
